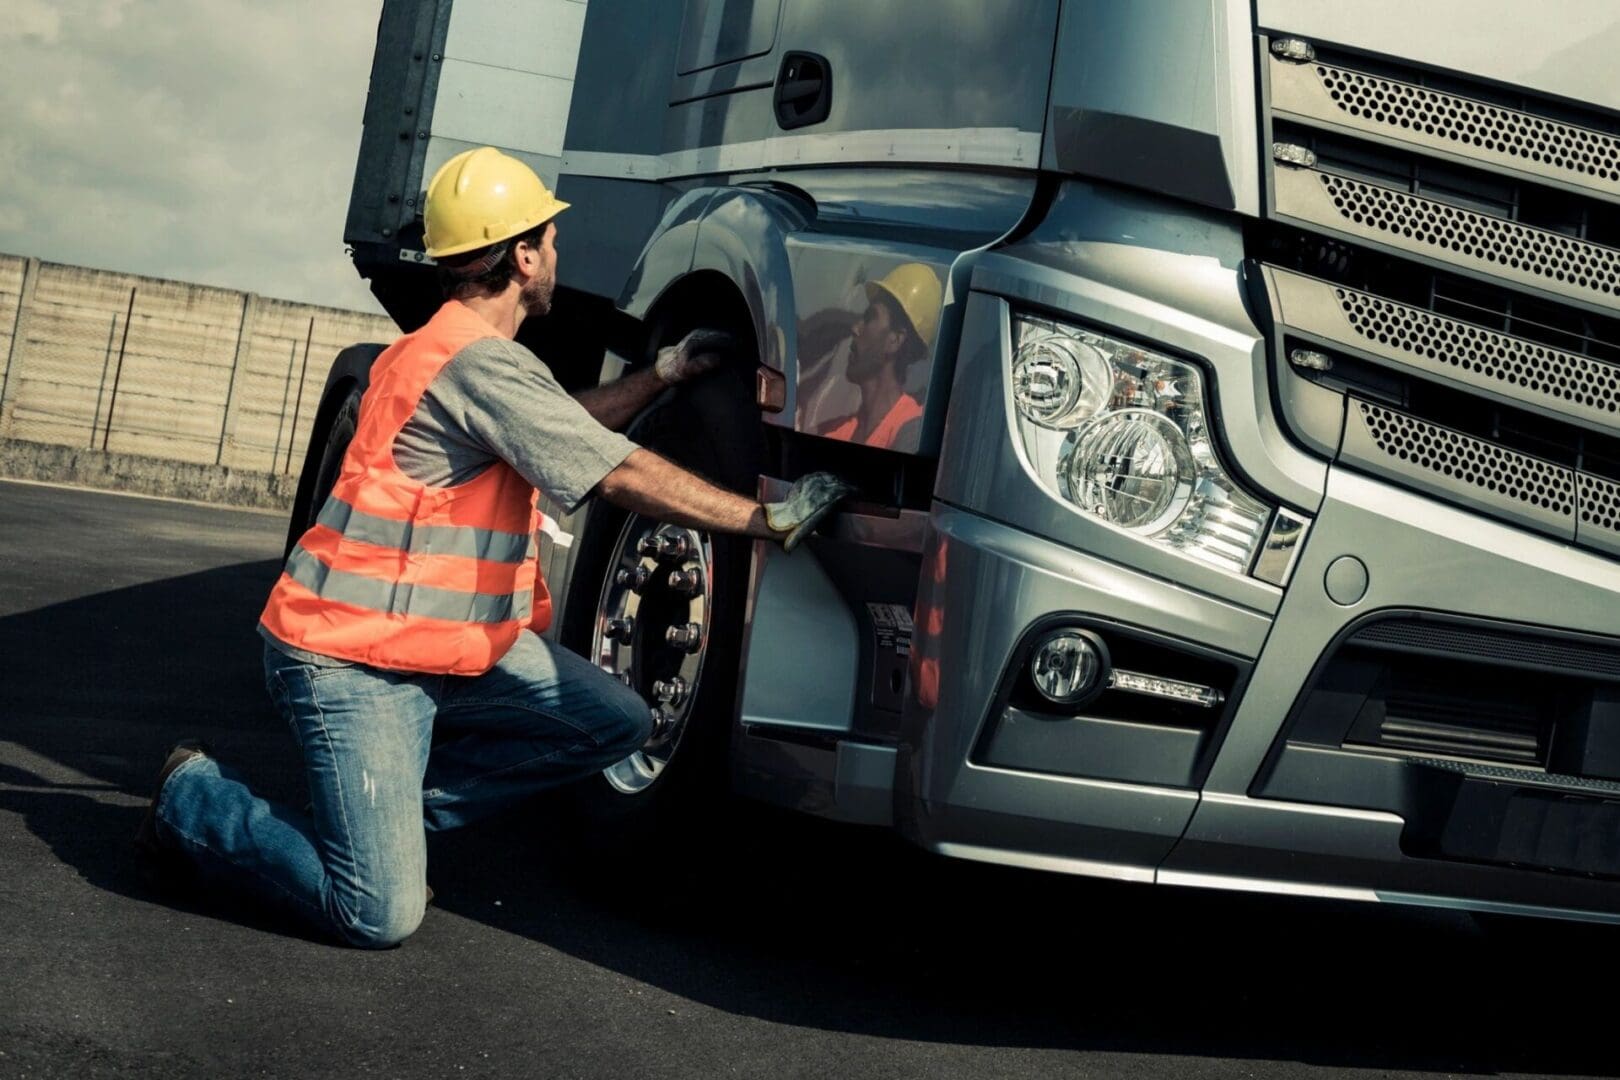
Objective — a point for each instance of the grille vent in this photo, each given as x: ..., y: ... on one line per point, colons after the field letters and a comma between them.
x: 1517, y: 247
x: 1549, y: 262
x: 1519, y: 364
x: 1494, y: 646
x: 1472, y: 123
x: 1468, y: 460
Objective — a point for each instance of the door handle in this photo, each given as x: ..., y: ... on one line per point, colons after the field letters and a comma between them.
x: 803, y: 90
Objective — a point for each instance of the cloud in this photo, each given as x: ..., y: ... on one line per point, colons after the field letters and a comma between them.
x: 34, y: 20
x: 205, y: 140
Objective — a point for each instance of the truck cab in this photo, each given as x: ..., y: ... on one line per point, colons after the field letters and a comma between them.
x: 1232, y: 390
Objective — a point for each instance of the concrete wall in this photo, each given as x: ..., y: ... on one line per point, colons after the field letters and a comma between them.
x: 141, y: 367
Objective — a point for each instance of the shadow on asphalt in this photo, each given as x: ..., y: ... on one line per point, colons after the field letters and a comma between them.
x: 812, y: 925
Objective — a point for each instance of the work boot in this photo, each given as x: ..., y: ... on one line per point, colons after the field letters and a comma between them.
x: 156, y: 859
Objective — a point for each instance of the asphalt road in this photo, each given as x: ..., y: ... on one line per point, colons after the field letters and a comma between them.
x: 776, y: 947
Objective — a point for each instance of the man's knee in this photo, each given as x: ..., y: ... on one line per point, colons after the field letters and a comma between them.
x: 627, y: 726
x: 385, y: 924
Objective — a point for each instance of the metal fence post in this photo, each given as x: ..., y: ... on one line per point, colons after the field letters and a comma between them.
x: 118, y: 373
x: 106, y: 362
x: 236, y: 364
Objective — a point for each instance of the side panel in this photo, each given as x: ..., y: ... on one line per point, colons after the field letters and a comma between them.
x: 1189, y: 134
x: 929, y: 64
x: 506, y: 79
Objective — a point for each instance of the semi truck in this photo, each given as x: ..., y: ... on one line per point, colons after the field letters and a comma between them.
x: 1232, y: 390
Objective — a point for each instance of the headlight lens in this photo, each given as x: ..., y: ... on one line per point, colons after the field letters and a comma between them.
x: 1059, y: 381
x: 1122, y: 432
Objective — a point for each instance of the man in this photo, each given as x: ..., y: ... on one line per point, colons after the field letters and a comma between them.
x: 411, y: 607
x: 895, y: 331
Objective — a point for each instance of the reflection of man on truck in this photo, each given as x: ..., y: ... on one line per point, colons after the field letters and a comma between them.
x: 896, y: 331
x: 405, y: 612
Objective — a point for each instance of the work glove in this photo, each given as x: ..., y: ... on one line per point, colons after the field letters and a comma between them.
x: 698, y: 352
x: 810, y: 500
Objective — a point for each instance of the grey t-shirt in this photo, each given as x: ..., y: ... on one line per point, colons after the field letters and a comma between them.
x: 497, y: 401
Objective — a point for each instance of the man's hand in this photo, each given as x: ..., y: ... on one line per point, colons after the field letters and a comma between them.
x: 809, y: 500
x: 699, y: 352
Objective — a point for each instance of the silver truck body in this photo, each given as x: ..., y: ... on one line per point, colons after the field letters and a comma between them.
x: 1386, y: 235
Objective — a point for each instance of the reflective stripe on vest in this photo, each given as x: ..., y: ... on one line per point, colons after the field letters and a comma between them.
x: 403, y: 597
x: 417, y: 539
x: 403, y: 575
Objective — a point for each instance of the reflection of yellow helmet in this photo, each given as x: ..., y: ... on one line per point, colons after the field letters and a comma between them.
x: 916, y: 288
x: 481, y: 197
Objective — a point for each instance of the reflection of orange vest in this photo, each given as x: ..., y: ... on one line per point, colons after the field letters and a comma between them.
x: 903, y: 412
x: 401, y: 575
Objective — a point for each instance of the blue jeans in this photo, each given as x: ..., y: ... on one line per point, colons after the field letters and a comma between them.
x: 357, y: 868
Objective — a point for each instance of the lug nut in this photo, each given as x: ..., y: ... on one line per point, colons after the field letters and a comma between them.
x: 677, y: 546
x: 662, y: 722
x: 685, y: 636
x: 635, y: 579
x: 620, y: 629
x: 670, y: 692
x: 652, y: 544
x: 686, y: 582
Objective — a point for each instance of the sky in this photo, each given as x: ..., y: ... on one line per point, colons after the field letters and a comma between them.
x: 204, y: 140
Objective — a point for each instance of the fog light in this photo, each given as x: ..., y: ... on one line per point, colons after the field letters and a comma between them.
x: 1069, y: 666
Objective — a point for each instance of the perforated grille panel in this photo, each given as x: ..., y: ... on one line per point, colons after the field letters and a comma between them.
x: 1555, y: 259
x: 1462, y: 468
x: 1470, y: 461
x: 1470, y: 123
x: 1599, y: 524
x: 1501, y: 139
x: 1522, y: 365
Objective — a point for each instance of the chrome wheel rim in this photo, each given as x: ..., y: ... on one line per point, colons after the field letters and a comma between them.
x: 651, y: 633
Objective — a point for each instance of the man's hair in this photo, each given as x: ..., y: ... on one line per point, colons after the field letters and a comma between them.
x: 914, y: 349
x: 485, y: 270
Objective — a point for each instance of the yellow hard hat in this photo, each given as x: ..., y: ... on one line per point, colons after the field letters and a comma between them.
x: 481, y: 197
x: 915, y: 287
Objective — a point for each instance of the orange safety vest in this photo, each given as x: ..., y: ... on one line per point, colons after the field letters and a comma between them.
x: 901, y: 413
x: 403, y: 575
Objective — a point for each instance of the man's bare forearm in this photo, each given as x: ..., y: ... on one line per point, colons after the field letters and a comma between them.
x: 647, y: 484
x: 615, y: 404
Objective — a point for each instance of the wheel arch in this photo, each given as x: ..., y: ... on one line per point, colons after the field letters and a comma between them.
x: 351, y: 370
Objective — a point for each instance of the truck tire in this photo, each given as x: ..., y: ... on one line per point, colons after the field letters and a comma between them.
x: 338, y: 437
x: 702, y: 429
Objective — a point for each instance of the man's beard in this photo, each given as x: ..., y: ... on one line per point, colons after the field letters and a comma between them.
x: 536, y: 295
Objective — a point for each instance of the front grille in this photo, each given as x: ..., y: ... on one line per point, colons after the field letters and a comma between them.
x: 1454, y: 249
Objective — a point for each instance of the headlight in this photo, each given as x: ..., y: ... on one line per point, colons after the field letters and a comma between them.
x: 1122, y: 433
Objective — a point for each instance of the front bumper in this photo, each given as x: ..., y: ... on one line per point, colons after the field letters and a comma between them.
x: 985, y: 583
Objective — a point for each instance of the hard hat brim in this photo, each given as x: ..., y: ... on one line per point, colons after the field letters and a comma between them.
x: 556, y: 207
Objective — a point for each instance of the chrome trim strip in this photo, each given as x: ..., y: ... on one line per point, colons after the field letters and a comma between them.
x: 1051, y: 863
x: 1005, y: 147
